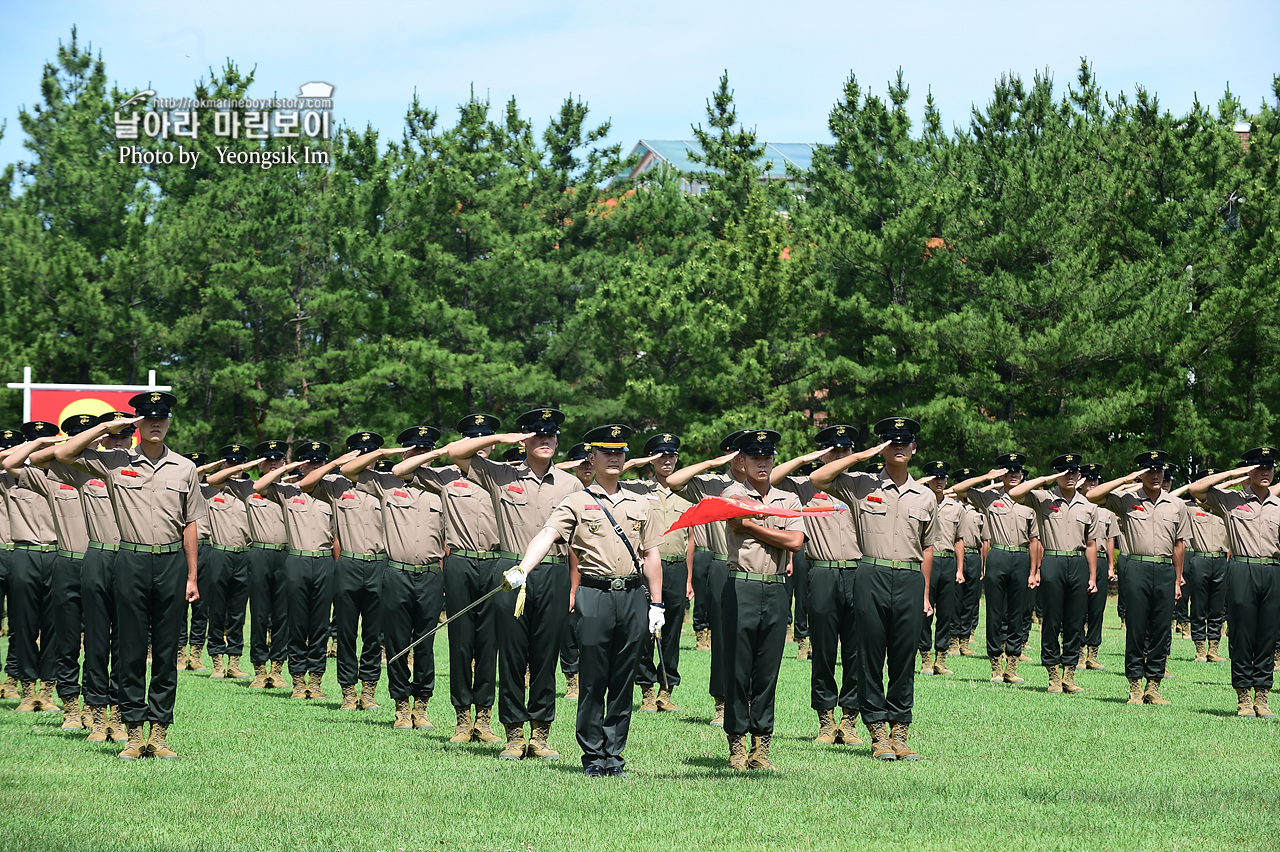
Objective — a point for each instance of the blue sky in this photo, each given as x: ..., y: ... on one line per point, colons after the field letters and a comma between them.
x: 649, y: 66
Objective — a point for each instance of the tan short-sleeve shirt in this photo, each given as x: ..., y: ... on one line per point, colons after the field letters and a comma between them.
x: 64, y: 502
x: 30, y: 519
x: 1208, y: 531
x: 950, y: 515
x: 357, y: 515
x: 894, y: 522
x: 4, y: 523
x: 154, y: 501
x: 579, y: 519
x: 228, y: 518
x: 750, y: 554
x: 1106, y: 527
x: 667, y: 508
x: 412, y: 518
x: 522, y: 501
x: 1064, y: 524
x: 1253, y: 524
x: 308, y: 522
x: 99, y: 514
x: 468, y: 509
x: 266, y: 517
x: 829, y: 537
x: 972, y: 528
x: 1009, y: 523
x: 1151, y: 527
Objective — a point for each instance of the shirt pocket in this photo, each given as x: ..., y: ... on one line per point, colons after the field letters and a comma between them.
x: 174, y: 498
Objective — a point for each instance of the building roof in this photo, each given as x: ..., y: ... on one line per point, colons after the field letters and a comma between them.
x: 675, y: 154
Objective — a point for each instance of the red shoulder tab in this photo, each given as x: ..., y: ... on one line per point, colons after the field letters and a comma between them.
x: 398, y: 493
x: 874, y: 499
x: 519, y: 489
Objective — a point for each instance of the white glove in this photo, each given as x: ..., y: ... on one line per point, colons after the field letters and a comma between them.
x: 657, y: 617
x: 514, y: 578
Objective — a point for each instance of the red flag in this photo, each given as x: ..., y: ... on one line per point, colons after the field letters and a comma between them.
x: 708, y: 510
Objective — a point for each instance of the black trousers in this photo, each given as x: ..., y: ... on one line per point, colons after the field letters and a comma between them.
x: 268, y: 606
x: 64, y: 591
x: 1206, y: 586
x: 612, y: 627
x: 309, y: 583
x: 754, y: 624
x: 1096, y: 608
x: 357, y: 602
x: 198, y: 613
x: 1148, y: 588
x: 717, y: 577
x: 798, y: 587
x: 943, y: 592
x: 569, y: 651
x: 473, y: 641
x: 31, y: 643
x: 1122, y: 607
x: 411, y: 606
x: 1030, y: 608
x: 531, y: 641
x: 701, y: 562
x: 228, y: 593
x: 968, y: 595
x: 833, y: 630
x: 1006, y: 588
x: 888, y: 606
x: 5, y: 555
x: 1064, y: 599
x: 1253, y: 608
x: 150, y: 598
x: 675, y: 583
x: 101, y: 639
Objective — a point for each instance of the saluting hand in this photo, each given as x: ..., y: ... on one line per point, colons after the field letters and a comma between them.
x: 115, y: 427
x: 386, y: 452
x: 514, y: 437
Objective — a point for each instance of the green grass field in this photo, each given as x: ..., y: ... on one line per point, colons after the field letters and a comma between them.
x: 1003, y: 768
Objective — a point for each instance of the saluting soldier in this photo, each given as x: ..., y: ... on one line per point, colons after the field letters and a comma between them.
x: 524, y: 494
x: 1069, y: 570
x: 413, y: 584
x: 471, y: 539
x: 1011, y: 527
x: 831, y: 542
x: 614, y: 535
x: 268, y: 589
x: 570, y: 655
x: 1205, y: 572
x: 1107, y: 530
x: 694, y: 483
x: 1156, y: 529
x: 198, y: 629
x: 947, y: 575
x: 63, y: 497
x: 227, y: 588
x: 156, y: 495
x: 675, y: 550
x: 1251, y: 516
x: 973, y: 529
x: 9, y: 438
x: 897, y: 520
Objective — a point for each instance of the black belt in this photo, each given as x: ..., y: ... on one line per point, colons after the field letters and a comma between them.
x: 363, y: 557
x: 151, y: 548
x: 842, y: 565
x: 613, y: 584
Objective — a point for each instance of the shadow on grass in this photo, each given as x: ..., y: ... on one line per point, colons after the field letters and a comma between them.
x: 1227, y: 714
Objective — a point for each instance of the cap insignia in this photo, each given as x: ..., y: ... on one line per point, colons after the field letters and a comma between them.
x: 615, y: 431
x: 546, y: 414
x: 667, y: 439
x: 899, y: 423
x: 479, y: 420
x: 155, y: 397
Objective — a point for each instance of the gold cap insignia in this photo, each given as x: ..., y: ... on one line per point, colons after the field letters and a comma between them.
x: 271, y: 445
x: 667, y: 439
x: 761, y: 437
x: 839, y: 430
x: 546, y: 414
x: 1155, y: 455
x: 422, y: 430
x: 479, y: 419
x: 315, y: 445
x: 84, y: 418
x: 615, y: 431
x: 364, y: 436
x: 899, y: 423
x: 1070, y: 457
x: 155, y: 397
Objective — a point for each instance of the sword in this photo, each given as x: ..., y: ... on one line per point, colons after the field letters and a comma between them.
x: 451, y: 618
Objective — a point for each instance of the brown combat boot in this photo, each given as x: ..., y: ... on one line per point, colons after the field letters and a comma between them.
x: 275, y: 678
x: 1152, y: 695
x: 71, y: 720
x: 462, y: 730
x: 98, y: 725
x: 420, y: 719
x: 259, y: 676
x: 940, y: 663
x: 846, y: 733
x: 1069, y: 684
x: 881, y: 747
x: 1011, y: 671
x: 570, y: 686
x: 218, y: 672
x: 759, y: 757
x: 234, y: 670
x: 44, y: 701
x: 9, y: 689
x: 738, y: 751
x: 313, y: 685
x: 299, y: 686
x: 1260, y: 706
x: 953, y: 645
x: 483, y: 730
x: 538, y: 733
x: 898, y: 739
x: 348, y: 696
x: 1135, y: 690
x: 964, y: 650
x: 28, y: 702
x: 183, y: 664
x: 802, y: 649
x: 1201, y: 656
x: 404, y: 716
x: 1212, y: 655
x: 717, y: 717
x: 137, y: 744
x: 194, y: 662
x: 1055, y: 679
x: 665, y: 703
x: 1275, y: 664
x: 156, y: 745
x: 115, y: 726
x: 366, y: 700
x: 997, y: 669
x: 515, y: 747
x: 702, y: 640
x: 926, y: 664
x: 332, y: 652
x: 1244, y: 704
x: 1091, y: 660
x: 647, y: 702
x: 826, y: 727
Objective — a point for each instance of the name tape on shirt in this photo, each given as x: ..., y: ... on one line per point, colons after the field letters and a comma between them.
x: 516, y: 488
x: 398, y: 493
x: 874, y: 499
x: 590, y: 506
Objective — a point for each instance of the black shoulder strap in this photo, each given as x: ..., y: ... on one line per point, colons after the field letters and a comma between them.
x: 635, y: 560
